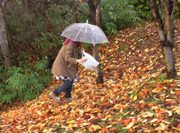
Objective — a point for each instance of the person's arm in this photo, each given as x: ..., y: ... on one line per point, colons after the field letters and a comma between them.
x: 69, y: 58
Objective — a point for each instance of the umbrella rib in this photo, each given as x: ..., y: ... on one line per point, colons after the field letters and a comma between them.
x: 92, y: 35
x: 78, y: 33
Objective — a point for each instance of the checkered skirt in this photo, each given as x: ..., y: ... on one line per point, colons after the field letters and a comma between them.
x: 66, y: 78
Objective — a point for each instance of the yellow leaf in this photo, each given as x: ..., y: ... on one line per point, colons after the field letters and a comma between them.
x: 135, y: 98
x: 29, y: 127
x: 70, y: 125
x: 176, y: 128
x: 70, y: 121
x: 39, y: 113
x: 96, y: 127
x: 20, y: 127
x: 108, y: 116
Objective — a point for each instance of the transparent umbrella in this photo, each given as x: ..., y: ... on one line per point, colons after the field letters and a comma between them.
x: 84, y: 32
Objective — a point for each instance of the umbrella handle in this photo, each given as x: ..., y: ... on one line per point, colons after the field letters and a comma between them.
x: 92, y: 39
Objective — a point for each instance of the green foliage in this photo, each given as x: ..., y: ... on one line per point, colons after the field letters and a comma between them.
x: 143, y: 8
x: 177, y: 9
x: 36, y: 29
x: 24, y: 83
x: 162, y: 77
x: 122, y: 48
x: 117, y: 15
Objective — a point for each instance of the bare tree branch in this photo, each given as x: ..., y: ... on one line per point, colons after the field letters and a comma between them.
x: 71, y: 5
x: 158, y: 19
x: 38, y: 1
x: 61, y: 3
x: 165, y: 2
x: 167, y: 5
x: 172, y: 15
x: 162, y: 7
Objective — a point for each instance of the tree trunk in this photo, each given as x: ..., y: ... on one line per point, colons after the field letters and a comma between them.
x: 166, y: 33
x: 92, y: 11
x: 96, y: 19
x: 98, y: 14
x: 12, y: 46
x: 98, y: 73
x: 3, y: 41
x: 95, y: 12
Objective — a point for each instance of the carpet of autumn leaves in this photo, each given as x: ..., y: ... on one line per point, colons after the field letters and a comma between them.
x: 135, y: 95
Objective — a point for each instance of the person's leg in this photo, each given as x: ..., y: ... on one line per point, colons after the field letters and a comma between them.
x: 66, y: 86
x: 68, y: 96
x: 68, y: 91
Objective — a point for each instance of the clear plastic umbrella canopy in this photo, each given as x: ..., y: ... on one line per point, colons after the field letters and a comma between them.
x: 84, y: 32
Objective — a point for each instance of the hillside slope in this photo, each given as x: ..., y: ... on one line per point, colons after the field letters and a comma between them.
x: 135, y: 95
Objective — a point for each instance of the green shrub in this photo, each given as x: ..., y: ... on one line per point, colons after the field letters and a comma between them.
x: 143, y: 8
x: 177, y: 9
x: 24, y: 83
x: 118, y: 14
x: 33, y: 33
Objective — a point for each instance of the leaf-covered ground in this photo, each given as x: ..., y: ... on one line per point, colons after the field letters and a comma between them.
x: 135, y: 95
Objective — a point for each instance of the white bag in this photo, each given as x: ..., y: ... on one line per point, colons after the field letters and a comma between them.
x: 91, y: 63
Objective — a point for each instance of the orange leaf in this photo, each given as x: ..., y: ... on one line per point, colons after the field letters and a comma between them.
x: 127, y: 121
x: 112, y: 129
x: 123, y: 107
x: 158, y: 86
x: 136, y: 120
x: 105, y: 130
x: 104, y: 103
x: 144, y: 68
x: 117, y: 86
x: 178, y: 126
x: 89, y: 105
x: 130, y: 130
x: 168, y: 102
x: 147, y: 90
x: 154, y: 48
x: 151, y: 104
x: 159, y: 111
x: 159, y: 120
x: 163, y: 98
x: 172, y: 85
x: 78, y: 123
x: 45, y: 105
x: 100, y: 116
x: 159, y: 131
x: 142, y: 106
x: 178, y: 92
x: 80, y: 1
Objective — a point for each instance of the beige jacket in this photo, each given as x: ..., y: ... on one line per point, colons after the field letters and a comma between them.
x: 65, y: 63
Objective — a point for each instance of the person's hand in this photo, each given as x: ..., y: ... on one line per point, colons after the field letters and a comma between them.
x: 81, y: 60
x: 82, y: 50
